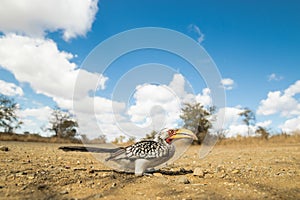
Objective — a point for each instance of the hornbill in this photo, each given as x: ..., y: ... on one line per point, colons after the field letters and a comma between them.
x: 146, y: 154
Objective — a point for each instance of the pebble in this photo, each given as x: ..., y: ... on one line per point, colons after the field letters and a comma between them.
x: 199, y: 172
x: 64, y: 192
x: 209, y: 176
x: 223, y: 175
x: 236, y: 171
x: 42, y: 186
x: 31, y: 176
x: 3, y: 148
x: 157, y: 175
x: 183, y: 180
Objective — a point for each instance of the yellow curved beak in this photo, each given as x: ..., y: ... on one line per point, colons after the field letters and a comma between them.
x: 183, y: 133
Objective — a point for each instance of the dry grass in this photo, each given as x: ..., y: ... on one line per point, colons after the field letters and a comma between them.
x: 35, y: 138
x: 257, y: 141
x: 239, y: 140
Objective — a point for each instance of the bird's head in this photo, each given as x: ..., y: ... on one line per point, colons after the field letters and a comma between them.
x: 173, y: 134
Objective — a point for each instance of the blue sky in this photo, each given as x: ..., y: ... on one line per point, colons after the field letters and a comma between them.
x: 255, y: 46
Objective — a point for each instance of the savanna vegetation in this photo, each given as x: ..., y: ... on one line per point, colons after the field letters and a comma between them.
x: 63, y: 125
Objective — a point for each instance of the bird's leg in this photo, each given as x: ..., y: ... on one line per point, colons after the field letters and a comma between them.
x: 140, y: 167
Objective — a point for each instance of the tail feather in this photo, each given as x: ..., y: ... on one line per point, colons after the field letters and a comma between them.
x: 88, y: 149
x: 115, y: 154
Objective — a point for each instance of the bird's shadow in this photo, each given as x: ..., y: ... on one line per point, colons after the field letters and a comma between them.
x: 182, y: 171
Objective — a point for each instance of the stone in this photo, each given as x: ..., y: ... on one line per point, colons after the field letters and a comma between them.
x: 3, y: 148
x: 199, y: 172
x: 64, y: 192
x: 236, y: 171
x: 183, y: 180
x: 157, y: 174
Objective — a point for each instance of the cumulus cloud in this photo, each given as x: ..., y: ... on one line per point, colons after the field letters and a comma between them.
x: 35, y: 118
x: 48, y: 70
x: 291, y: 125
x: 227, y: 83
x: 264, y: 123
x: 162, y: 103
x: 42, y: 113
x: 196, y: 30
x: 10, y: 89
x: 274, y: 77
x: 284, y: 102
x: 228, y: 119
x: 35, y: 18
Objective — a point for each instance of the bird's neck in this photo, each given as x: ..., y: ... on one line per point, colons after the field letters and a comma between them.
x: 162, y: 141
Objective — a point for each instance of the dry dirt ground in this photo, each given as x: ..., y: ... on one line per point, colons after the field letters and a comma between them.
x: 41, y: 171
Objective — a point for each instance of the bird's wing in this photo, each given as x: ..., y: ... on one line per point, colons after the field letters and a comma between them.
x: 141, y: 150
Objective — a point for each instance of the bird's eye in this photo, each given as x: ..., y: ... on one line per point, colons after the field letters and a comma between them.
x: 171, y: 132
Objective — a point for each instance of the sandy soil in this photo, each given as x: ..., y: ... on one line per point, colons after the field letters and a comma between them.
x: 41, y: 171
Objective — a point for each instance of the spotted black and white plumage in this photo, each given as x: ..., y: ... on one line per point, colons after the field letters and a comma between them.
x: 143, y: 149
x: 143, y: 155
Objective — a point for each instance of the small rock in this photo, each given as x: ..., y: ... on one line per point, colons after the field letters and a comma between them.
x: 114, y: 185
x: 42, y: 186
x: 199, y: 172
x: 236, y: 171
x: 223, y: 175
x: 64, y: 192
x: 209, y: 175
x: 3, y: 148
x: 220, y: 168
x: 183, y: 180
x: 157, y: 174
x: 31, y: 176
x: 24, y: 187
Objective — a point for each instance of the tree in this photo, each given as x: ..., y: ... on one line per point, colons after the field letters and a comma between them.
x: 131, y: 139
x: 263, y: 132
x: 62, y: 123
x: 8, y: 118
x: 248, y: 118
x: 119, y: 140
x: 195, y: 118
x: 151, y: 135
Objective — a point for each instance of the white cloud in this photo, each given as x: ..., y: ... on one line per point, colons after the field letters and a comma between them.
x: 197, y: 31
x: 48, y: 70
x: 228, y: 119
x: 293, y: 89
x: 204, y: 98
x: 161, y: 104
x: 264, y: 123
x: 10, y: 89
x: 34, y: 119
x: 274, y: 77
x: 42, y: 113
x: 284, y: 103
x: 291, y: 125
x: 35, y: 18
x: 240, y: 129
x: 148, y: 98
x: 227, y: 83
